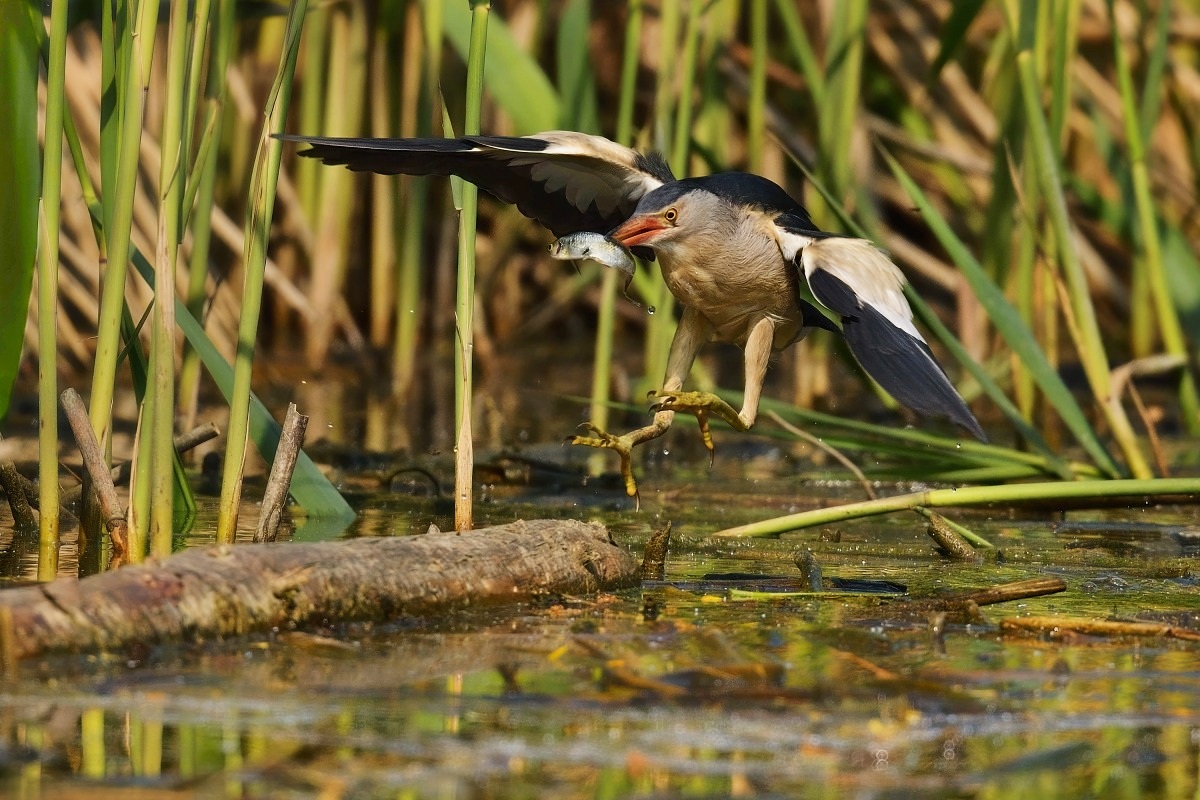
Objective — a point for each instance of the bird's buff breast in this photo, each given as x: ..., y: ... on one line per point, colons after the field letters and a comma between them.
x: 734, y: 297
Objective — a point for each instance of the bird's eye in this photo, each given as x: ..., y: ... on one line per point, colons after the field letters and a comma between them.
x: 670, y: 215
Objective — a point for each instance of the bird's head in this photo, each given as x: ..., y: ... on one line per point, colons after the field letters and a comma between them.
x: 669, y: 216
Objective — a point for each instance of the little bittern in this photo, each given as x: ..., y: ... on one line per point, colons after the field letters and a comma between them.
x: 733, y: 249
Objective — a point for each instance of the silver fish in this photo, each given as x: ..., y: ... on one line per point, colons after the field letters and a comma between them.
x: 598, y: 248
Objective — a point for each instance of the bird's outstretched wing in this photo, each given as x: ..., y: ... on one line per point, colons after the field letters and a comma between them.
x: 565, y: 180
x: 860, y: 283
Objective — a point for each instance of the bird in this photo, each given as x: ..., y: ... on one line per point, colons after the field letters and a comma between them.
x: 734, y: 248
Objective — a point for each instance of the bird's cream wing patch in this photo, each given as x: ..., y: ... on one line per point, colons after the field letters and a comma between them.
x: 791, y: 242
x: 869, y: 273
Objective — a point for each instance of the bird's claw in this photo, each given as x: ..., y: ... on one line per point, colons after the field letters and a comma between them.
x: 623, y: 445
x: 701, y: 405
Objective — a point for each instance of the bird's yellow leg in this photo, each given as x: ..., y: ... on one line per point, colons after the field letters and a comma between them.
x: 692, y: 332
x: 624, y: 444
x: 702, y: 405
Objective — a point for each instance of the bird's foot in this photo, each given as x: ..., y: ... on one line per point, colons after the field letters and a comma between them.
x: 623, y: 445
x: 700, y: 405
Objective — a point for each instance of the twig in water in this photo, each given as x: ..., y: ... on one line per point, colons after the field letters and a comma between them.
x: 183, y: 442
x: 93, y: 459
x: 967, y: 604
x: 976, y: 541
x: 951, y: 542
x: 1057, y: 626
x: 291, y: 439
x: 833, y: 451
x: 1016, y: 590
x: 14, y: 487
x: 806, y: 561
x: 654, y: 557
x: 120, y: 473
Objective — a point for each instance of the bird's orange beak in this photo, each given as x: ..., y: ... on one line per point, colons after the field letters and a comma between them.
x: 638, y: 230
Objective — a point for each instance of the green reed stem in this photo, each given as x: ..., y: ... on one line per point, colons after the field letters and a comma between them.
x: 606, y: 313
x: 258, y: 228
x: 843, y: 64
x: 131, y: 80
x: 680, y: 147
x: 756, y: 114
x: 1066, y: 40
x: 91, y: 744
x: 629, y: 69
x: 1016, y: 334
x: 310, y: 101
x: 1145, y: 490
x: 173, y: 173
x: 465, y: 305
x: 204, y: 183
x: 349, y: 44
x: 661, y: 326
x: 1086, y: 328
x: 801, y: 46
x: 1136, y: 130
x: 422, y: 56
x: 51, y: 209
x: 383, y: 192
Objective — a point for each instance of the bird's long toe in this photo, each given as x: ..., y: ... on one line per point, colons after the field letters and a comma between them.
x: 700, y: 405
x: 622, y: 445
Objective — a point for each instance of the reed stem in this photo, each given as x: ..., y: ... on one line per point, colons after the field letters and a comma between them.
x: 49, y: 224
x: 258, y: 228
x: 465, y: 306
x: 1145, y: 490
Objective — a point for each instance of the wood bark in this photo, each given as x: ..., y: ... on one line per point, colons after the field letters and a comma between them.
x: 291, y: 439
x: 222, y: 591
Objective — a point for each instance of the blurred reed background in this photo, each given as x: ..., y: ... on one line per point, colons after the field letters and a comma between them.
x: 1032, y: 167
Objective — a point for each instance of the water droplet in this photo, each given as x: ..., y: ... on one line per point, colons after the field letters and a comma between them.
x: 650, y: 310
x: 958, y: 445
x: 666, y: 452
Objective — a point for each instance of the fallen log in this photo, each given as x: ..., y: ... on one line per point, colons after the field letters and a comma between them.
x: 222, y: 591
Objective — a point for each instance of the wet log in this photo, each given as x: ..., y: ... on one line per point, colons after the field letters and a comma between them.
x: 215, y: 592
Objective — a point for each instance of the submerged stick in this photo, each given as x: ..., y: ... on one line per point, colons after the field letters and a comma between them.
x: 654, y: 557
x: 183, y: 443
x: 217, y: 592
x: 949, y: 541
x: 275, y: 495
x: 120, y: 473
x: 22, y: 511
x: 966, y: 605
x: 1057, y: 626
x: 806, y: 562
x: 1017, y: 590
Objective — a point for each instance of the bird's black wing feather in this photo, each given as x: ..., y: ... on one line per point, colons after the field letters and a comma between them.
x: 902, y: 364
x: 565, y: 189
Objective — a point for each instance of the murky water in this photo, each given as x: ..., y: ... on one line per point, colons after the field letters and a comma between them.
x: 671, y: 690
x: 677, y: 689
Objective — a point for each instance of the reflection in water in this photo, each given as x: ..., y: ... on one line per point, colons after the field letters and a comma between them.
x: 538, y: 702
x: 674, y: 690
x: 586, y: 697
